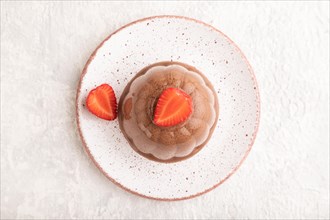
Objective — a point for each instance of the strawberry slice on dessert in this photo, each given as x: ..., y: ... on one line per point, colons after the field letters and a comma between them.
x: 102, y: 102
x: 173, y: 107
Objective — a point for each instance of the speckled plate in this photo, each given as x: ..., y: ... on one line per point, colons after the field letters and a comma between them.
x: 164, y: 38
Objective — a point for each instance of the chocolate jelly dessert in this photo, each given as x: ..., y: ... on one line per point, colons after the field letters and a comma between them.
x: 137, y: 112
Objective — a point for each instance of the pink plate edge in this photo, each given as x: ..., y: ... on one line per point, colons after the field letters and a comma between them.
x: 254, y: 133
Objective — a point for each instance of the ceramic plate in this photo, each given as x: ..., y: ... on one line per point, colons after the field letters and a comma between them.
x: 166, y: 38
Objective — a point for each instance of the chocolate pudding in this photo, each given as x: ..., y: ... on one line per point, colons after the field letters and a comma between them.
x: 137, y: 105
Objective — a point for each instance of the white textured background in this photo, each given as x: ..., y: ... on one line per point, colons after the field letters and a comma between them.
x: 46, y: 174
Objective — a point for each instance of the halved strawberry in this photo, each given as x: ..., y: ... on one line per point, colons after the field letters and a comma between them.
x: 102, y: 102
x: 173, y: 107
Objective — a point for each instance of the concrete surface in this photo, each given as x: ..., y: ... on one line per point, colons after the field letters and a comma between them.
x: 45, y: 174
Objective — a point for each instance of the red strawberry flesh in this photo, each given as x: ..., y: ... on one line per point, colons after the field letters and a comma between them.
x: 102, y: 102
x: 173, y: 107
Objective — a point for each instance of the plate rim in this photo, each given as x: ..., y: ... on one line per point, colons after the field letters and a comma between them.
x: 84, y: 71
